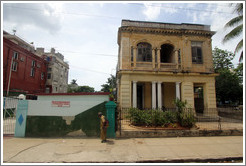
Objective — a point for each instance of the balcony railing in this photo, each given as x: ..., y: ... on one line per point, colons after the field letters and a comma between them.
x: 156, y: 66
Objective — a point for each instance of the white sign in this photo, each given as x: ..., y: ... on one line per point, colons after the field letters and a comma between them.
x: 60, y: 103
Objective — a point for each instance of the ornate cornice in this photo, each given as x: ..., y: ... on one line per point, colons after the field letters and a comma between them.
x: 165, y: 31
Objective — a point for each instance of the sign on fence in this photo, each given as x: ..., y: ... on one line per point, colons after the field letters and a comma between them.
x: 60, y: 103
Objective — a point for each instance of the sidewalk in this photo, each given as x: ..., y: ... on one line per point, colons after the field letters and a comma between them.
x: 91, y: 150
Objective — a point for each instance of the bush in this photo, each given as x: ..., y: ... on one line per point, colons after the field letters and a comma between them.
x: 139, y: 117
x: 151, y: 117
x: 187, y: 118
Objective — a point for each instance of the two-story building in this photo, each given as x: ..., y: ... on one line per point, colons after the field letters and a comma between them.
x: 159, y: 62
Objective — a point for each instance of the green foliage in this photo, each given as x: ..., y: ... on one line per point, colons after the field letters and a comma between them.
x: 237, y: 24
x: 239, y: 73
x: 85, y: 89
x: 139, y: 117
x: 180, y: 104
x: 187, y: 118
x: 111, y: 84
x: 74, y: 88
x: 151, y: 117
x: 77, y: 89
x: 228, y: 87
x: 222, y: 59
x: 229, y: 82
x: 184, y: 116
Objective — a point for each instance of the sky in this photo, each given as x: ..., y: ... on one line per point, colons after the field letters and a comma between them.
x: 86, y: 32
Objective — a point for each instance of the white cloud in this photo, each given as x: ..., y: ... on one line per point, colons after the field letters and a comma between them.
x: 45, y: 16
x: 151, y: 11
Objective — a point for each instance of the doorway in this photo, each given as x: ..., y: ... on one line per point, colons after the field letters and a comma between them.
x: 199, y: 98
x: 140, y: 98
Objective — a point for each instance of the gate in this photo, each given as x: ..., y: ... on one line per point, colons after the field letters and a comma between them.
x: 9, y: 115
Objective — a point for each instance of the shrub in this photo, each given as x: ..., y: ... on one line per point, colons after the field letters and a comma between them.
x: 151, y: 117
x: 187, y: 118
x: 139, y: 117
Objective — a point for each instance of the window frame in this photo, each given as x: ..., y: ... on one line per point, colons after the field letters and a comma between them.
x: 15, y: 55
x: 144, y: 52
x: 14, y: 66
x: 32, y: 74
x: 196, y: 52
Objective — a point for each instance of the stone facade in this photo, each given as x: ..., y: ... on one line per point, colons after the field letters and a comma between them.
x: 159, y: 62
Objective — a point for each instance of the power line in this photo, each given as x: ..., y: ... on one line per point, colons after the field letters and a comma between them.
x: 191, y: 9
x: 89, y: 70
x: 112, y: 17
x: 82, y: 14
x: 111, y: 55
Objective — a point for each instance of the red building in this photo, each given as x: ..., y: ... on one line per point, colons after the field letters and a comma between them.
x: 28, y: 72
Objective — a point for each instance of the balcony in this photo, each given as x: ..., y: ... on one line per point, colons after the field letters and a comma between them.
x: 150, y: 66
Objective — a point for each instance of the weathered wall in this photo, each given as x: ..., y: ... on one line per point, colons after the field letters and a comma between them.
x: 87, y: 123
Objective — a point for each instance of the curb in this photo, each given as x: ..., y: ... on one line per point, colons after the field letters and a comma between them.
x: 177, y: 133
x: 210, y: 160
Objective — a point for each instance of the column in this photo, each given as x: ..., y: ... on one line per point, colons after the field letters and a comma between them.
x: 134, y: 94
x: 153, y: 58
x: 178, y: 90
x: 176, y: 58
x: 134, y: 56
x: 159, y: 95
x: 154, y: 95
x: 159, y: 58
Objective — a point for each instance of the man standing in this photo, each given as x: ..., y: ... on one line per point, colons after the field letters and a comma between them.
x: 103, y: 127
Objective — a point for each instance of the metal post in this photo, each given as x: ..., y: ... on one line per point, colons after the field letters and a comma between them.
x: 10, y: 71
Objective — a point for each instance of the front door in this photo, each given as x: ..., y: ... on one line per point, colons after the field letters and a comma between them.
x: 198, y: 99
x: 140, y: 96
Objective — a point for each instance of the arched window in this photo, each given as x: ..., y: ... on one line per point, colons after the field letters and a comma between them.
x: 144, y: 53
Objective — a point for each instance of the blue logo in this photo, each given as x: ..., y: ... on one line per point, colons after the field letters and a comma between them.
x: 20, y: 119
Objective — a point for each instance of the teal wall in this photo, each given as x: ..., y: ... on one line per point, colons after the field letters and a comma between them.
x: 53, y: 126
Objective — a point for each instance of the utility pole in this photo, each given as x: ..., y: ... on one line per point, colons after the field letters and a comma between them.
x: 10, y: 71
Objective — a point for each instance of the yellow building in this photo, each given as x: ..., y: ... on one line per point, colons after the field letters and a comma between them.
x: 159, y: 62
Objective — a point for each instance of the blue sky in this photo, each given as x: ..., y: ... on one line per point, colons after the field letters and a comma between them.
x: 86, y: 33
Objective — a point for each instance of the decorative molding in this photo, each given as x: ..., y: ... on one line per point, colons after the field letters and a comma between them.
x: 166, y: 31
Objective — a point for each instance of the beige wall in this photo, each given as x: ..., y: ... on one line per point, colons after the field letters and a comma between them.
x: 179, y: 42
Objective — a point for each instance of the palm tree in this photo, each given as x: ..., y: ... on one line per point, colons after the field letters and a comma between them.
x: 237, y: 23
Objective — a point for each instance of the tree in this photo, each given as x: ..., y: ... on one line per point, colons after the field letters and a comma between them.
x: 73, y: 87
x: 111, y: 84
x: 239, y: 72
x: 222, y: 59
x: 228, y: 87
x: 85, y: 89
x: 237, y: 25
x: 74, y: 82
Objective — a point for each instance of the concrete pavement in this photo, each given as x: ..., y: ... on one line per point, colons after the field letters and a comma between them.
x: 84, y: 150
